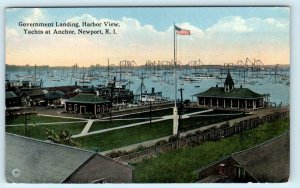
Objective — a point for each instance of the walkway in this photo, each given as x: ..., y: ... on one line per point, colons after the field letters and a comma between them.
x: 50, y: 123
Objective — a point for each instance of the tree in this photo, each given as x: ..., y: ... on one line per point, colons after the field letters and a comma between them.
x: 63, y: 137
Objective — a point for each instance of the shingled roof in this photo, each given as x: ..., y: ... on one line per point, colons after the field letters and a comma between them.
x: 268, y: 162
x: 34, y: 161
x: 238, y: 93
x: 87, y: 98
x: 54, y: 95
x: 36, y: 92
x: 10, y: 94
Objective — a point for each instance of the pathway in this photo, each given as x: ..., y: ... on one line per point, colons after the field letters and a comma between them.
x: 87, y: 127
x: 49, y: 123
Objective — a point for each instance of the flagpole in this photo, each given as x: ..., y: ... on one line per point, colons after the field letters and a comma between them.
x: 175, y: 72
x: 175, y: 112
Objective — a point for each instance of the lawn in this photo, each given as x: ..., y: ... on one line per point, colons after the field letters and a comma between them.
x: 36, y: 119
x: 140, y: 133
x: 200, y: 121
x: 178, y: 166
x: 38, y: 131
x: 123, y: 137
x: 99, y: 125
x: 159, y: 113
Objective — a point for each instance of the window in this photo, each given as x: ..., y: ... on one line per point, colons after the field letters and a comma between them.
x: 240, y: 172
x: 98, y: 108
x: 75, y: 107
x: 70, y: 107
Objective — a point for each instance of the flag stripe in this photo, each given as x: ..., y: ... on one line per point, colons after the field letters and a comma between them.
x: 183, y: 32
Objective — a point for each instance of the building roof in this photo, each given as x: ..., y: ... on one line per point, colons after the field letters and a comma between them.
x: 268, y: 162
x: 36, y: 92
x: 238, y: 93
x: 87, y: 98
x: 10, y: 94
x: 64, y: 89
x: 54, y: 95
x: 33, y: 161
x: 69, y: 95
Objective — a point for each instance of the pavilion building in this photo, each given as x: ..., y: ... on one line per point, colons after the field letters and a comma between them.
x: 229, y: 97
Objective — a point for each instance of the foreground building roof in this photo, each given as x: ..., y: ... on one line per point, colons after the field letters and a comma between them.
x: 33, y: 161
x: 268, y: 162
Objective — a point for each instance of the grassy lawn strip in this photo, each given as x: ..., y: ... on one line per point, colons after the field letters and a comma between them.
x: 123, y: 137
x: 140, y: 133
x: 197, y: 122
x: 38, y: 131
x: 36, y: 119
x: 99, y: 125
x: 160, y: 113
x: 178, y: 166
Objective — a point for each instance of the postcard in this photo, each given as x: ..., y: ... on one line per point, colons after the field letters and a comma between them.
x: 147, y: 94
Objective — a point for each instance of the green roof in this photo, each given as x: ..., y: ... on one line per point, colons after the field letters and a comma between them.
x: 238, y: 93
x: 10, y: 94
x: 54, y: 95
x: 87, y: 98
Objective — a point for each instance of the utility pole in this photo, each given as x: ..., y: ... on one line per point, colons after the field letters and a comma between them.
x: 111, y: 98
x: 26, y: 125
x: 150, y: 114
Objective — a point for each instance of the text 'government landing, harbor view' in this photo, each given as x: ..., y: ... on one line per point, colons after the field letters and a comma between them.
x: 173, y: 120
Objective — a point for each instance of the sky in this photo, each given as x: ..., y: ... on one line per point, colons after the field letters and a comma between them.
x: 218, y: 35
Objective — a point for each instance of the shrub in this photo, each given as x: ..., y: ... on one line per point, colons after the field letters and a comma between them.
x: 161, y: 142
x: 173, y: 138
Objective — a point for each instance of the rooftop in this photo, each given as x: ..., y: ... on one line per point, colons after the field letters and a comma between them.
x: 268, y: 162
x: 54, y: 95
x: 88, y: 98
x: 10, y: 94
x: 33, y: 161
x: 238, y: 93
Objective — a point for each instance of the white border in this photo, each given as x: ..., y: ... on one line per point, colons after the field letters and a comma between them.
x: 295, y: 76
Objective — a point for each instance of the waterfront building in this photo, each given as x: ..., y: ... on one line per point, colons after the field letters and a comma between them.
x: 87, y: 104
x: 11, y: 99
x: 33, y: 97
x: 231, y: 97
x: 53, y: 97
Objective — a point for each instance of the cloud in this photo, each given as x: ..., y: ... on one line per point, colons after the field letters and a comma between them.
x: 35, y: 16
x: 228, y: 39
x: 234, y: 24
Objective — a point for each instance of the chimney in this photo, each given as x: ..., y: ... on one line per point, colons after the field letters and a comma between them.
x: 153, y: 90
x: 241, y: 86
x: 217, y: 86
x: 222, y: 169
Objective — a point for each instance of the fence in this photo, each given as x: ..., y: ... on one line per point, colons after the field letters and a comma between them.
x: 206, y: 135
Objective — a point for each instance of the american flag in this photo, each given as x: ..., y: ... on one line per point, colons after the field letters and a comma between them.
x: 180, y: 31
